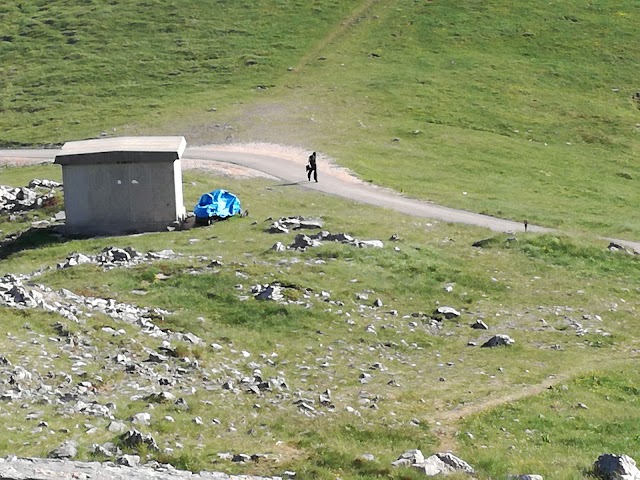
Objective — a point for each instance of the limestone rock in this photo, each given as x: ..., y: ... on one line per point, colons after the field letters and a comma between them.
x: 133, y: 438
x: 294, y: 223
x: 128, y: 460
x: 443, y: 464
x: 408, y: 458
x: 12, y: 468
x: 116, y: 427
x: 499, y: 341
x: 616, y: 467
x: 479, y: 325
x: 447, y: 313
x: 267, y: 292
x: 278, y: 247
x: 68, y: 449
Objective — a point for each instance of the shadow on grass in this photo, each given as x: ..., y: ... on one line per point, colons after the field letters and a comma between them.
x: 30, y: 239
x: 290, y: 184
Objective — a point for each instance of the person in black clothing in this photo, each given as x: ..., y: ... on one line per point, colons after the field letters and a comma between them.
x: 312, y: 168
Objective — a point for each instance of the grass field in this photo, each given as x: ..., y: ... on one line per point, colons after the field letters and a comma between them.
x: 528, y: 108
x: 429, y: 387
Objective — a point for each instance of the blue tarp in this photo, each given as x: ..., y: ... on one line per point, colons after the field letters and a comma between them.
x: 219, y: 203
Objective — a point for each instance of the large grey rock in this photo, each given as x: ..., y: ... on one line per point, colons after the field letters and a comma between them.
x: 499, y: 340
x: 142, y: 418
x: 370, y: 244
x: 267, y: 292
x: 161, y: 397
x: 44, y: 183
x: 409, y: 458
x: 433, y: 466
x: 294, y: 223
x: 525, y: 477
x: 443, y: 464
x: 68, y: 449
x: 133, y: 438
x: 447, y: 313
x: 616, y: 467
x: 479, y: 325
x: 439, y: 464
x: 20, y: 199
x: 302, y: 241
x: 128, y: 460
x: 278, y: 247
x: 456, y: 463
x: 116, y: 427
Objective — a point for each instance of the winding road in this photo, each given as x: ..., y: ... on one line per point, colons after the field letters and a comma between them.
x: 330, y: 183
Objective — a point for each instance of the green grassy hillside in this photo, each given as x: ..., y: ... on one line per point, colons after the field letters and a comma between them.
x: 396, y: 380
x: 527, y: 108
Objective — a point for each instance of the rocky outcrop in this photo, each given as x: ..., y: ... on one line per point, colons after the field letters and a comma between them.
x: 499, y: 340
x: 21, y: 199
x: 616, y: 467
x: 438, y: 464
x: 302, y: 242
x: 12, y: 468
x: 285, y: 224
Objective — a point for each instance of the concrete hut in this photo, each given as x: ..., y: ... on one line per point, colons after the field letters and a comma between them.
x: 122, y: 185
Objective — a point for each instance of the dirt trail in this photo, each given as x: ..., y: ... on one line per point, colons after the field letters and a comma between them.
x: 450, y: 419
x: 357, y: 13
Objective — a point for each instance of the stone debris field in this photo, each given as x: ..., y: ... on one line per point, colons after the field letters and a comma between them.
x: 155, y: 367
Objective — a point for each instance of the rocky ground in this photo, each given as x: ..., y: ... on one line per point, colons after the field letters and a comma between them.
x: 41, y: 392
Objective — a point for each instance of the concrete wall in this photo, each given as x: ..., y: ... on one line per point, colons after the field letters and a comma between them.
x: 122, y: 198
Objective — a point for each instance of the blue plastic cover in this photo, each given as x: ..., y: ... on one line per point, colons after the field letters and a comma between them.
x: 218, y: 203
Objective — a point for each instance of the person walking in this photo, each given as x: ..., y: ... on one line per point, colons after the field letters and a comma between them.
x: 312, y: 168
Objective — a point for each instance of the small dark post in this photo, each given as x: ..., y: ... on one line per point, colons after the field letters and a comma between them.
x: 526, y: 224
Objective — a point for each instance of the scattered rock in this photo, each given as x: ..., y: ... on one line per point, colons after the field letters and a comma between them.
x: 278, y: 247
x: 616, y: 247
x: 443, y: 464
x: 498, y: 341
x: 117, y: 427
x: 447, y: 313
x: 128, y: 460
x: 22, y: 199
x: 67, y: 450
x: 437, y: 464
x: 616, y: 467
x: 479, y: 325
x: 409, y: 458
x: 142, y: 418
x: 12, y: 468
x: 284, y: 224
x: 133, y: 439
x: 302, y: 242
x: 162, y: 397
x: 267, y: 292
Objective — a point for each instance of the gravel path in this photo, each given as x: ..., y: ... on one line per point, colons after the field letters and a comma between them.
x: 287, y: 164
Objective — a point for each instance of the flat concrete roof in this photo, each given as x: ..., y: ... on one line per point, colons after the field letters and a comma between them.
x: 122, y: 150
